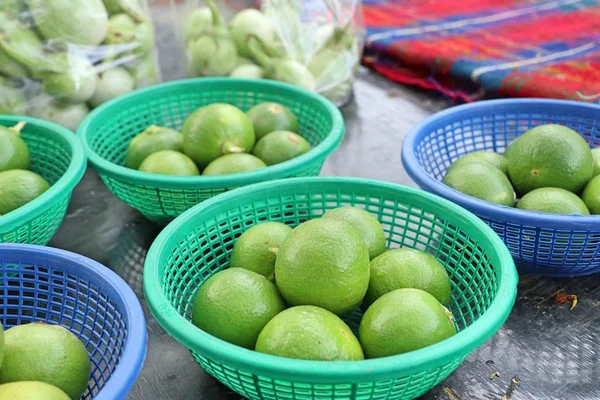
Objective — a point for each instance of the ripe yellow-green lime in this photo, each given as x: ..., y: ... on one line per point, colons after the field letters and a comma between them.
x: 235, y: 304
x: 323, y: 262
x: 549, y: 156
x: 369, y: 227
x: 596, y: 157
x: 14, y: 153
x: 153, y: 139
x: 169, y: 162
x: 215, y: 130
x: 403, y: 320
x: 270, y: 117
x: 554, y: 201
x: 279, y: 146
x: 309, y: 333
x: 483, y: 181
x: 495, y: 159
x: 46, y: 353
x: 233, y: 163
x: 408, y: 268
x: 591, y: 195
x: 31, y: 390
x: 18, y: 187
x: 257, y: 247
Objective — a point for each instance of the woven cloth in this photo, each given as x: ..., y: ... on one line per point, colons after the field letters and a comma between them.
x: 469, y: 49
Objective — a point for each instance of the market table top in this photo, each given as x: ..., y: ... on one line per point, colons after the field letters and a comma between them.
x: 544, y: 351
x: 552, y: 349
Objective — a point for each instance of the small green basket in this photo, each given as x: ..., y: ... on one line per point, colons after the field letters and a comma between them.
x: 199, y: 242
x: 107, y: 131
x: 56, y: 155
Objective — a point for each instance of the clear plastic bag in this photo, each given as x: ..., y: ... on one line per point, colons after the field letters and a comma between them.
x: 61, y: 58
x: 316, y: 44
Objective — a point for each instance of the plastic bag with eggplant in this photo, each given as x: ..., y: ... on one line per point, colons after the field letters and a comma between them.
x: 61, y: 58
x: 316, y: 44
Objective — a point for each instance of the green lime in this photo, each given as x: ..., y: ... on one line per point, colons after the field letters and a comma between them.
x: 483, y: 181
x: 369, y: 227
x: 153, y: 139
x: 235, y: 304
x: 596, y: 157
x: 403, y: 320
x: 1, y: 344
x: 256, y: 248
x: 18, y: 187
x: 14, y: 153
x: 554, y: 201
x: 323, y: 262
x: 591, y: 195
x: 169, y: 162
x: 309, y: 333
x: 549, y: 156
x: 271, y: 117
x: 279, y: 146
x: 46, y: 353
x: 233, y: 163
x: 215, y: 130
x: 30, y: 390
x: 408, y: 268
x: 489, y: 157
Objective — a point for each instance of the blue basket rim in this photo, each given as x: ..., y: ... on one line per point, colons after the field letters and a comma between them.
x: 287, y: 168
x: 481, y: 207
x: 316, y: 371
x: 66, y: 183
x: 123, y: 378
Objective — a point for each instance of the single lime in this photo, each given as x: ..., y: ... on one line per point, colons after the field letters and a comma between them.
x: 169, y: 162
x: 596, y: 157
x: 235, y: 304
x: 309, y: 333
x: 153, y: 139
x: 554, y: 201
x: 370, y: 228
x: 489, y: 157
x: 256, y: 248
x: 408, y: 268
x: 403, y: 320
x: 591, y: 195
x: 233, y: 163
x: 30, y: 390
x: 549, y: 156
x: 483, y: 181
x: 323, y: 262
x: 14, y: 153
x: 279, y: 146
x: 215, y: 130
x: 271, y: 117
x: 46, y: 353
x: 18, y: 187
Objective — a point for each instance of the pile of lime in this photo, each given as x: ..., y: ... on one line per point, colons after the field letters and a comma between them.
x: 287, y: 291
x: 39, y: 361
x: 18, y: 185
x: 220, y: 139
x: 550, y: 169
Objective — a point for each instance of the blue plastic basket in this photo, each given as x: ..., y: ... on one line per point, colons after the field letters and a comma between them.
x: 542, y: 244
x: 59, y: 287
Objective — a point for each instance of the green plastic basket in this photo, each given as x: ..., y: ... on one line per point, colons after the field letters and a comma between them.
x: 107, y: 131
x: 56, y: 155
x: 198, y: 243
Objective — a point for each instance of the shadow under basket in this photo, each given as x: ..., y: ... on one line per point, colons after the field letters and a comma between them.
x: 199, y: 243
x: 42, y: 284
